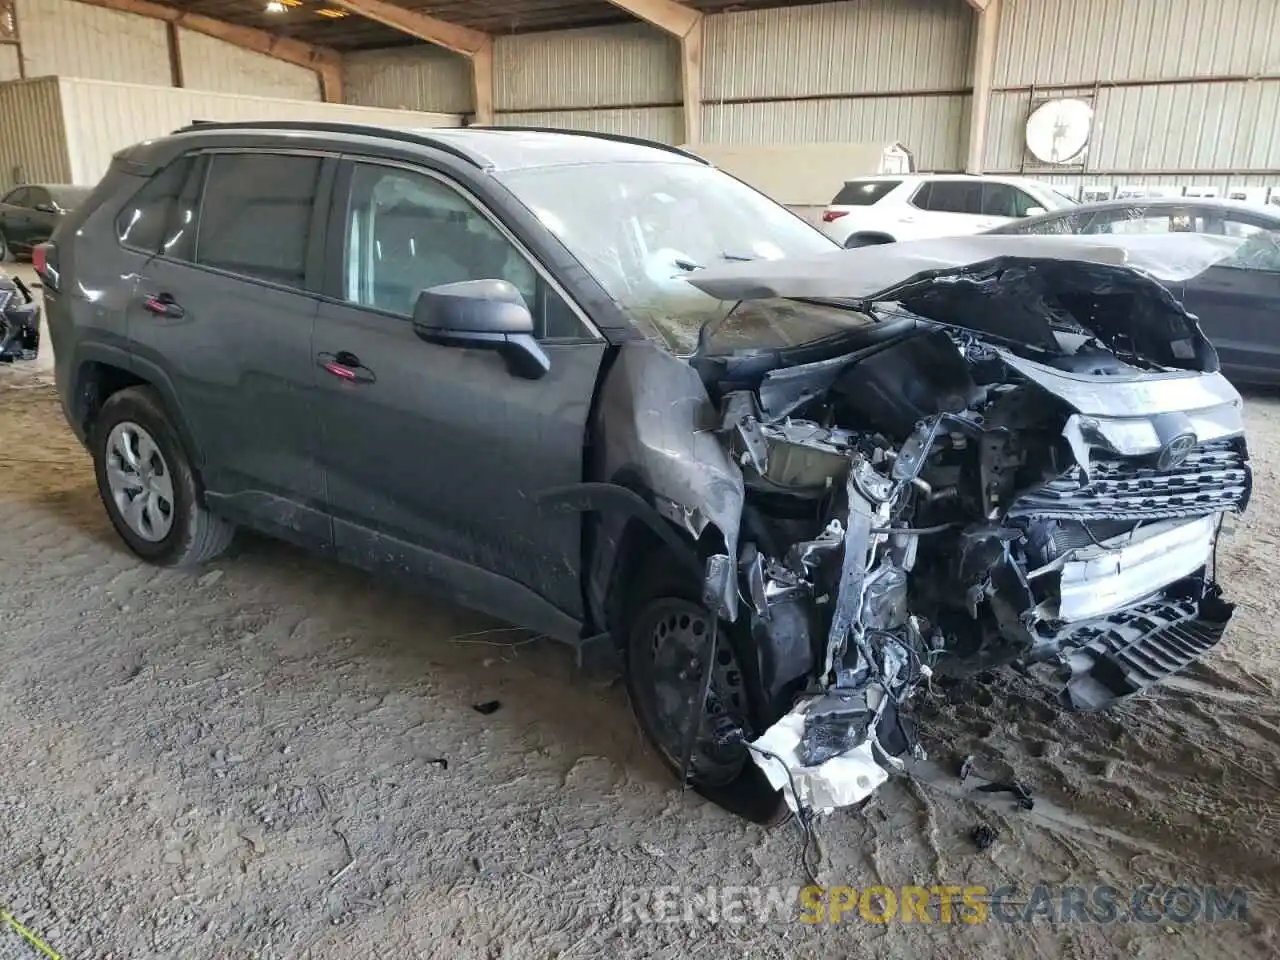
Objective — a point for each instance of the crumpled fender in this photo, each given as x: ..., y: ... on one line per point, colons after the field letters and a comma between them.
x: 654, y: 432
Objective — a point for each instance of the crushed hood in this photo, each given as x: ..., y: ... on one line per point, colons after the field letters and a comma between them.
x: 1010, y: 286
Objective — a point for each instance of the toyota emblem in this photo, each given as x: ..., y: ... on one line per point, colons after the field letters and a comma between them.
x: 1176, y: 450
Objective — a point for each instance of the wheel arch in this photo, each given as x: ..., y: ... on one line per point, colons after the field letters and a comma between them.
x: 100, y: 374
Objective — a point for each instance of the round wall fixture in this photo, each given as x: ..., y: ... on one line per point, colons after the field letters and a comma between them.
x: 1058, y: 130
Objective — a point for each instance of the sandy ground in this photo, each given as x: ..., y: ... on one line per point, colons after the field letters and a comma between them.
x: 241, y: 763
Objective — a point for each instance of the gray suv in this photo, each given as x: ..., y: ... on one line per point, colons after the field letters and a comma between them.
x: 600, y: 389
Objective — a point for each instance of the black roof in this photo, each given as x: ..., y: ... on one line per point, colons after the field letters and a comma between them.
x: 494, y: 148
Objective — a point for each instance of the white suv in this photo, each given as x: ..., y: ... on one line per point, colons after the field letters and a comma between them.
x: 916, y: 206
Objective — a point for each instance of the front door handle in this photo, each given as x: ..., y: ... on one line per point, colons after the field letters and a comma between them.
x: 345, y: 365
x: 163, y: 305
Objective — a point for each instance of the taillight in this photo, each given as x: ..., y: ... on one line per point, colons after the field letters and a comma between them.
x: 44, y: 258
x: 829, y: 215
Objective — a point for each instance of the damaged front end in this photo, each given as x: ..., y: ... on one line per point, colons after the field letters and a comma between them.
x: 19, y: 321
x: 933, y: 494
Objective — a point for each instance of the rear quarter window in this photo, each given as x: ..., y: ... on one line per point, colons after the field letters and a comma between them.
x: 863, y: 193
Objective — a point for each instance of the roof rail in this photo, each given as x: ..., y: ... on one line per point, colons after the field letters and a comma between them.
x: 328, y: 126
x: 616, y: 137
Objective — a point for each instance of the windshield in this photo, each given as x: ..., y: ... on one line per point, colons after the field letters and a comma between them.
x: 641, y: 228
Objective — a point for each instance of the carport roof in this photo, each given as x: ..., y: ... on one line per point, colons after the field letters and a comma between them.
x: 306, y: 20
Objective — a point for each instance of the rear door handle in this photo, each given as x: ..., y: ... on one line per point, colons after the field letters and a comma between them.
x: 163, y: 305
x: 345, y: 365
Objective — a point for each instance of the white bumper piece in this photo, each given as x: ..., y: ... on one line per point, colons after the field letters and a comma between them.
x: 841, y: 781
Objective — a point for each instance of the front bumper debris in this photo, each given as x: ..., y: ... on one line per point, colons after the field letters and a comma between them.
x: 838, y: 781
x: 1137, y: 648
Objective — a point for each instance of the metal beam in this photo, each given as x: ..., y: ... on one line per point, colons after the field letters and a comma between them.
x: 979, y: 5
x: 686, y: 24
x: 473, y: 44
x: 324, y: 61
x: 984, y: 65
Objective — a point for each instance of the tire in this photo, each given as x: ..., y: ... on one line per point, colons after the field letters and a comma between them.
x: 6, y: 255
x: 735, y: 783
x: 186, y: 534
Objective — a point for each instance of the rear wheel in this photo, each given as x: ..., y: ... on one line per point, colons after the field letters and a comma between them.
x: 667, y: 645
x: 148, y: 486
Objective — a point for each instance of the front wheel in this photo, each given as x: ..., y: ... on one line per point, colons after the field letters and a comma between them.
x: 667, y: 645
x: 147, y: 484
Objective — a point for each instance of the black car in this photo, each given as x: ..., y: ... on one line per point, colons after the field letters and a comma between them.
x: 30, y: 213
x: 1237, y: 300
x: 600, y: 389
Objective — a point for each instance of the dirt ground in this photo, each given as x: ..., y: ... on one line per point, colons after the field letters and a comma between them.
x: 240, y: 762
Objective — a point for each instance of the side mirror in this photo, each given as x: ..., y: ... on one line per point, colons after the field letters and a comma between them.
x: 1035, y: 211
x: 46, y: 208
x: 483, y: 315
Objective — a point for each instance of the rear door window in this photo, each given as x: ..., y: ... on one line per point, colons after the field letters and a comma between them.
x: 256, y: 214
x: 19, y: 197
x: 863, y: 193
x: 1004, y: 200
x: 950, y: 196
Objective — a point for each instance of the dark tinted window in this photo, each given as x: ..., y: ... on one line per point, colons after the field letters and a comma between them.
x: 406, y: 232
x: 950, y: 196
x: 863, y: 193
x: 38, y: 197
x: 256, y: 215
x: 1003, y: 200
x: 18, y: 198
x: 159, y: 218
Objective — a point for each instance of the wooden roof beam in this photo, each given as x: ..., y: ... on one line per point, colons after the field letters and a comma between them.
x: 325, y: 62
x: 475, y: 45
x: 686, y: 24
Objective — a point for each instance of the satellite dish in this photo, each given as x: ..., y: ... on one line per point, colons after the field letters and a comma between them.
x: 1058, y: 130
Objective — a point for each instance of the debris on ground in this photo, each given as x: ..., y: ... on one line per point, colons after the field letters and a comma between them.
x: 488, y: 707
x: 983, y: 836
x: 1019, y: 789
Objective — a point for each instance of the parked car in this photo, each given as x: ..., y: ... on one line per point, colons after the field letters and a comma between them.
x: 1237, y: 299
x: 29, y: 214
x: 884, y: 209
x: 600, y: 389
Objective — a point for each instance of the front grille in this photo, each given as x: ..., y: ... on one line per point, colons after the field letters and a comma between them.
x: 1214, y: 478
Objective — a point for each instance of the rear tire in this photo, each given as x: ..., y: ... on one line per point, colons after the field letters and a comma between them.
x: 148, y: 485
x: 667, y: 628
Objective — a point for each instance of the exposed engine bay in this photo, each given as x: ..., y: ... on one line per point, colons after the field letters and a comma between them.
x: 948, y: 500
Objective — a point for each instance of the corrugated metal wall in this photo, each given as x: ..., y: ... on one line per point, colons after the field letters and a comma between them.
x: 864, y: 71
x: 416, y: 78
x: 101, y: 118
x: 63, y: 38
x: 32, y: 149
x: 1184, y: 91
x: 212, y: 64
x: 856, y: 70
